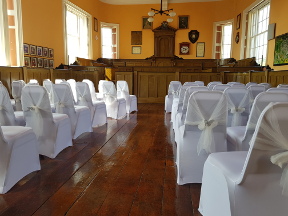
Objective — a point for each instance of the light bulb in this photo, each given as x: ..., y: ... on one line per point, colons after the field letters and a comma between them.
x: 172, y: 14
x: 169, y: 20
x: 150, y: 19
x: 151, y: 13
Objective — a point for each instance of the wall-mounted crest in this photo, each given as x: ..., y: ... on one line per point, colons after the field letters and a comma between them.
x: 193, y: 36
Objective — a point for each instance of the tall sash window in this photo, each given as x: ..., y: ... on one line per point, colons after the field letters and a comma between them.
x: 78, y: 32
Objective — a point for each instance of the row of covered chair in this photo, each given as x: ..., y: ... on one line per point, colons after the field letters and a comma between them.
x: 46, y: 132
x: 232, y: 181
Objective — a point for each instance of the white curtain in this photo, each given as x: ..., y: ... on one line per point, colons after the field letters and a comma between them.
x: 4, y: 35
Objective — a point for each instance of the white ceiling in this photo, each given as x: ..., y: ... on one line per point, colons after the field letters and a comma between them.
x: 134, y: 2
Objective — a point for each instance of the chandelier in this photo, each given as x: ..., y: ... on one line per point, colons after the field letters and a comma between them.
x: 168, y: 12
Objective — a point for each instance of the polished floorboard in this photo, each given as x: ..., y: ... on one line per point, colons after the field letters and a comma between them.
x: 123, y: 168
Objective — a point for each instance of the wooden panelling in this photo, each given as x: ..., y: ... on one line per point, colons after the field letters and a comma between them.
x: 277, y: 77
x: 128, y: 77
x: 37, y: 73
x: 258, y: 76
x: 236, y: 77
x: 9, y: 74
x: 61, y: 74
x: 205, y: 77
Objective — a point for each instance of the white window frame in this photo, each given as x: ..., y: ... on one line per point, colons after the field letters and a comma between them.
x: 214, y: 35
x: 104, y: 24
x: 89, y: 17
x: 244, y: 29
x: 4, y: 37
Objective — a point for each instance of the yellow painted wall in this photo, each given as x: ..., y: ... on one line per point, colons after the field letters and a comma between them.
x: 43, y: 24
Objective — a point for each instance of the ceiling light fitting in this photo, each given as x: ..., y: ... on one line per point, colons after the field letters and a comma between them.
x: 168, y: 12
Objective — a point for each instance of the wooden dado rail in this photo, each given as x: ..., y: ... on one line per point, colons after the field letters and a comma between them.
x: 9, y: 74
x: 149, y: 84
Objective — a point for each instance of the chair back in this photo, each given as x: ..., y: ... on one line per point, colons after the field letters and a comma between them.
x: 7, y: 116
x: 33, y: 82
x: 190, y: 84
x: 91, y: 88
x: 238, y: 85
x: 261, y: 101
x: 48, y: 85
x: 72, y: 84
x: 16, y: 93
x: 200, y: 83
x: 239, y: 100
x: 84, y: 97
x: 255, y: 90
x: 278, y: 89
x: 58, y: 81
x: 122, y: 89
x: 269, y: 145
x: 282, y: 86
x: 64, y: 102
x: 109, y: 92
x: 267, y: 85
x: 207, y: 114
x: 188, y: 93
x: 250, y: 84
x: 37, y: 112
x: 214, y: 82
x: 220, y: 87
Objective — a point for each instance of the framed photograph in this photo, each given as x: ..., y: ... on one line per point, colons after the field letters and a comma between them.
x: 39, y: 51
x: 27, y: 61
x: 45, y: 52
x: 200, y: 49
x: 281, y: 50
x: 238, y: 21
x: 51, y: 53
x: 95, y: 24
x: 34, y: 62
x: 136, y: 49
x: 32, y: 49
x: 146, y: 24
x: 26, y: 49
x: 136, y: 37
x: 183, y: 22
x: 51, y: 63
x: 40, y: 62
x: 46, y: 63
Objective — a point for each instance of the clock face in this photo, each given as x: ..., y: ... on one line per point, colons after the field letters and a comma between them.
x: 184, y: 49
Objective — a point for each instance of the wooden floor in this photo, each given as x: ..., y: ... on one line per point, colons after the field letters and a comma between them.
x: 123, y: 168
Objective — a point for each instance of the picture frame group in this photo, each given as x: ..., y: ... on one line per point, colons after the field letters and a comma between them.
x: 38, y: 56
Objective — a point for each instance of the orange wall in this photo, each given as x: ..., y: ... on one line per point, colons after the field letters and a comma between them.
x: 43, y: 24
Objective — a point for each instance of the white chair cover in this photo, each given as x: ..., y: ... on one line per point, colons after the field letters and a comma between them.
x: 72, y: 84
x: 33, y: 81
x: 53, y: 131
x: 123, y: 92
x: 190, y: 84
x: 80, y: 118
x: 278, y: 89
x: 18, y: 156
x: 255, y: 90
x: 100, y: 89
x: 178, y: 102
x: 250, y: 84
x: 238, y: 85
x: 203, y: 132
x: 58, y: 81
x: 116, y: 108
x: 16, y: 93
x: 181, y: 114
x: 267, y: 85
x: 97, y: 108
x: 282, y: 86
x: 238, y: 138
x: 220, y: 87
x: 249, y: 184
x: 7, y: 115
x: 239, y: 100
x: 214, y: 82
x: 91, y: 88
x: 48, y: 85
x: 231, y: 83
x: 173, y: 92
x: 200, y: 83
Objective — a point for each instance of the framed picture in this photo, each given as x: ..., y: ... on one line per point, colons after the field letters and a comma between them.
x: 26, y: 49
x: 136, y: 37
x: 146, y: 24
x: 183, y: 22
x: 95, y: 24
x: 51, y: 53
x: 200, y: 49
x: 136, y: 49
x: 27, y: 61
x: 238, y: 21
x: 281, y: 50
x: 39, y: 51
x: 46, y: 63
x: 34, y: 62
x: 45, y: 52
x: 40, y: 62
x: 51, y: 63
x: 32, y: 50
